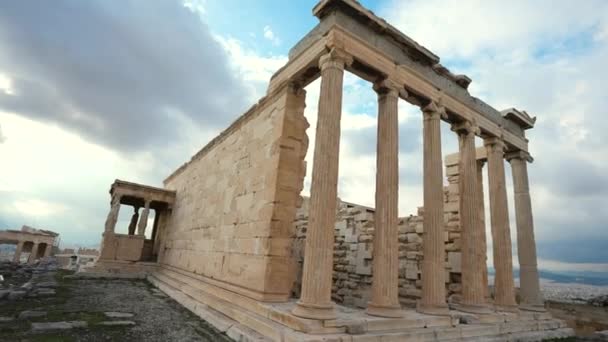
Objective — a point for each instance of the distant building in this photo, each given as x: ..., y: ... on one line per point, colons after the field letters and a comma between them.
x: 31, y: 244
x: 71, y: 259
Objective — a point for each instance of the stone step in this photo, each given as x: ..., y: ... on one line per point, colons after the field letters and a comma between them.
x: 198, y: 301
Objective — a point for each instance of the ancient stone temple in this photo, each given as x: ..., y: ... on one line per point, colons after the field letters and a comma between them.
x: 234, y: 241
x: 37, y: 243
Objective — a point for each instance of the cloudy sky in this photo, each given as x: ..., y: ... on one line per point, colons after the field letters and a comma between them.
x: 91, y: 91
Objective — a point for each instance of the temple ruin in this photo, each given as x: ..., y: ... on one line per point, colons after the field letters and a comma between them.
x: 37, y: 243
x: 235, y: 242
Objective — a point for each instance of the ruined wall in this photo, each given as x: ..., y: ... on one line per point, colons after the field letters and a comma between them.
x: 232, y: 221
x: 353, y: 248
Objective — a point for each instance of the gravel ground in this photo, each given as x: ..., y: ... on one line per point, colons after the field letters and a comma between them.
x: 156, y: 316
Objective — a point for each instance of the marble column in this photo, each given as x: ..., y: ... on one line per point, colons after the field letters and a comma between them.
x: 473, y: 294
x: 17, y: 255
x: 143, y: 221
x: 531, y: 297
x: 133, y: 223
x: 47, y: 250
x: 315, y: 301
x: 482, y: 223
x: 433, y: 245
x: 33, y: 254
x: 504, y: 288
x: 113, y: 214
x: 385, y: 283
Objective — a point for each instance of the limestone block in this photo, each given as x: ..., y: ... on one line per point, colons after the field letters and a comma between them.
x: 455, y: 261
x: 411, y: 270
x: 363, y: 259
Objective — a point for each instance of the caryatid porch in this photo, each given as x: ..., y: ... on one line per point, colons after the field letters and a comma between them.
x: 441, y: 95
x: 134, y: 246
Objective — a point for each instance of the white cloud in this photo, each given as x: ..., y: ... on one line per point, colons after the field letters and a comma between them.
x: 196, y: 6
x: 269, y: 35
x: 38, y: 208
x: 551, y: 63
x: 254, y: 69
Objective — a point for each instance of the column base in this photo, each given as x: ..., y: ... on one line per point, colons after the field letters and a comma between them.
x: 506, y: 308
x: 480, y: 309
x: 435, y: 310
x: 393, y: 311
x: 533, y: 307
x: 314, y: 311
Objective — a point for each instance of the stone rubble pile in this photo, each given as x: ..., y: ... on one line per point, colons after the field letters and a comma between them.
x: 23, y: 280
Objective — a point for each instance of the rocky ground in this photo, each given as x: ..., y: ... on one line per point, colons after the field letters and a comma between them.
x: 42, y: 303
x: 583, y: 307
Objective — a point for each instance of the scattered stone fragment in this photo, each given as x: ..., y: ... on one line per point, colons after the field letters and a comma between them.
x: 46, y: 292
x: 31, y: 314
x: 113, y: 314
x: 14, y: 295
x: 117, y: 323
x: 53, y: 326
x: 47, y: 284
x: 4, y: 293
x: 4, y: 319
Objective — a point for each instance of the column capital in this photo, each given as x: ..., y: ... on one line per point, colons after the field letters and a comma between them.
x: 466, y: 127
x: 336, y: 58
x: 434, y: 110
x: 494, y: 144
x: 523, y: 155
x: 388, y: 87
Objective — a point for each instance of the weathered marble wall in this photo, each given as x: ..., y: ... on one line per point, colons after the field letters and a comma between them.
x: 232, y: 221
x: 354, y: 231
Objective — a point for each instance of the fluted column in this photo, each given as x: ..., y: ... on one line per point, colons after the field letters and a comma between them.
x: 531, y: 297
x: 47, y: 250
x: 113, y: 214
x: 315, y: 301
x: 473, y: 294
x: 33, y: 254
x: 385, y: 283
x: 481, y: 209
x: 433, y: 245
x: 17, y: 255
x: 504, y: 293
x: 133, y: 223
x: 143, y: 221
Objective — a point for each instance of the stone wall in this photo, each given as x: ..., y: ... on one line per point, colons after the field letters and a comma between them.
x: 232, y: 220
x: 353, y: 249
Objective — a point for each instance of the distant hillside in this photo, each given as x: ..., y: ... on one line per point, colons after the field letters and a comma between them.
x: 574, y: 277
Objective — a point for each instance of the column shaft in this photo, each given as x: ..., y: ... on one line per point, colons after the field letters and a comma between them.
x: 143, y: 221
x: 17, y: 255
x: 315, y: 301
x: 47, y: 250
x: 33, y: 254
x: 504, y: 293
x: 385, y: 284
x: 473, y: 294
x: 531, y: 297
x: 113, y: 214
x: 433, y: 299
x: 134, y: 219
x: 482, y: 229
